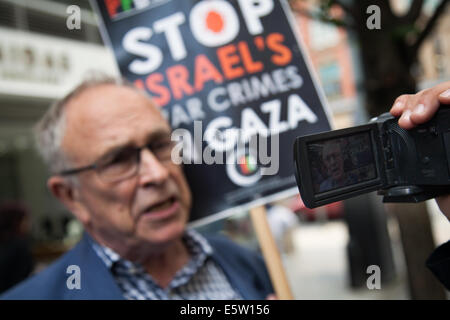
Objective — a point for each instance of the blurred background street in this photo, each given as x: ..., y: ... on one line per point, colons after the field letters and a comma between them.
x: 317, y: 266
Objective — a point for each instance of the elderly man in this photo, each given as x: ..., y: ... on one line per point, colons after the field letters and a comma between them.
x: 109, y: 150
x: 333, y: 159
x: 334, y: 166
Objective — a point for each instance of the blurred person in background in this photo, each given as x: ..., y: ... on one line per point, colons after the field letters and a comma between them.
x: 282, y: 223
x: 16, y: 260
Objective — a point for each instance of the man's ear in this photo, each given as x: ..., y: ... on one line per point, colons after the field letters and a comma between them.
x: 67, y: 193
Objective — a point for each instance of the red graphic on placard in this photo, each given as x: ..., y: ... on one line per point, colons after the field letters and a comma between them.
x: 214, y: 21
x: 112, y: 7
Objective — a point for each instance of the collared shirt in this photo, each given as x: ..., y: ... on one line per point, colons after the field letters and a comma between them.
x: 201, y: 278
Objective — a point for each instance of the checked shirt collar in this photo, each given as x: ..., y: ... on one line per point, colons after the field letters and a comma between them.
x: 196, y: 244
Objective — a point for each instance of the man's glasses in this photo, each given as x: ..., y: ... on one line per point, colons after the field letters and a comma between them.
x: 124, y: 163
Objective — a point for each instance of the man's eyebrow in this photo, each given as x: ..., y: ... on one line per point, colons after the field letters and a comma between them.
x: 155, y: 135
x: 158, y: 134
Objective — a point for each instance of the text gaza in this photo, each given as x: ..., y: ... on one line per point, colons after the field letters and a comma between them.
x: 209, y: 34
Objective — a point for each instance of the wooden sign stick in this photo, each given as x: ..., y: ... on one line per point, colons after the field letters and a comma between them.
x: 270, y: 253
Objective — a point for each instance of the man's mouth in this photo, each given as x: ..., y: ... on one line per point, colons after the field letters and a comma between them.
x: 162, y: 205
x: 163, y: 208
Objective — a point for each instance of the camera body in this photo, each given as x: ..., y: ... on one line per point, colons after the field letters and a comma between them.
x: 403, y: 165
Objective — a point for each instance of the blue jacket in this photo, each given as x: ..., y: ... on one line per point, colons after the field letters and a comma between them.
x: 244, y: 269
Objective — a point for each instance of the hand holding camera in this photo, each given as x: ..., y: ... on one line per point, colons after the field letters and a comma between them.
x: 404, y: 155
x: 415, y: 109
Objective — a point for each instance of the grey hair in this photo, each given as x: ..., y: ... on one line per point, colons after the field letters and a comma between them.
x: 49, y: 131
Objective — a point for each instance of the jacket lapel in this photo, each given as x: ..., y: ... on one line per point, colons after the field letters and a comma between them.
x: 240, y: 279
x: 97, y: 281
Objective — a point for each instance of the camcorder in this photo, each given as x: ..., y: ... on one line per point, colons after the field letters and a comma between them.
x: 403, y: 165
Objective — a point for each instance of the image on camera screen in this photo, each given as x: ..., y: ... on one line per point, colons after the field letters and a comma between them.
x: 341, y: 162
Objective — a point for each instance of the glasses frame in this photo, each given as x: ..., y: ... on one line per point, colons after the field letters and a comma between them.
x: 97, y: 164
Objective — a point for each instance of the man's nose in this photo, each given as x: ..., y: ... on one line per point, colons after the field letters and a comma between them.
x: 151, y: 170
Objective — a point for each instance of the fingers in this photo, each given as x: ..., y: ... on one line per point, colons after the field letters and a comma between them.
x: 402, y: 109
x: 271, y: 297
x: 444, y: 97
x: 399, y: 105
x: 420, y: 107
x: 425, y: 105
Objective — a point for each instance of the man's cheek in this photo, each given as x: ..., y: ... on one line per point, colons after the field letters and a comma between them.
x: 183, y: 188
x: 126, y: 188
x: 125, y: 194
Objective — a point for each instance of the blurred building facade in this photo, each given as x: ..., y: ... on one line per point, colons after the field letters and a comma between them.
x: 334, y: 56
x: 434, y: 55
x: 331, y: 56
x: 40, y: 61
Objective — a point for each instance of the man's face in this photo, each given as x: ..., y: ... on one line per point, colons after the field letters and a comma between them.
x: 150, y: 208
x: 333, y: 161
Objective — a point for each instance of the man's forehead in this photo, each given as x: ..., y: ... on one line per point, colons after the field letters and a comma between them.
x: 108, y: 96
x: 109, y: 115
x: 110, y: 102
x: 331, y: 147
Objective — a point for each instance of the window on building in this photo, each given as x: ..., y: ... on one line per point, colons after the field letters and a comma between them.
x: 330, y: 75
x: 47, y: 17
x: 439, y: 57
x: 323, y: 35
